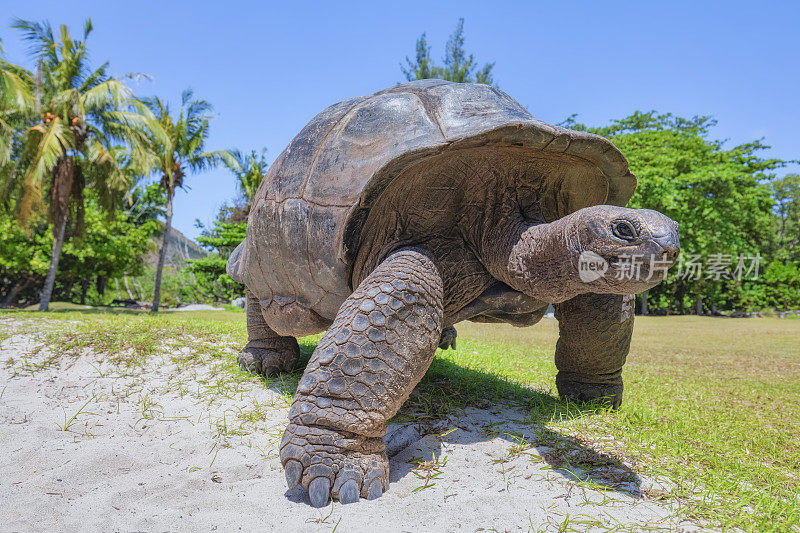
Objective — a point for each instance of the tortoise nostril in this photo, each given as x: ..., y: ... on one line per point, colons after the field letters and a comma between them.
x: 669, y: 244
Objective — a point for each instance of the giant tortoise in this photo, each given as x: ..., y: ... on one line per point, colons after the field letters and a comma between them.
x: 393, y: 216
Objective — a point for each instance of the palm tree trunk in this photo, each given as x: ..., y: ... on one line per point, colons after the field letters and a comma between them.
x: 55, y: 255
x: 162, y: 254
x: 59, y: 206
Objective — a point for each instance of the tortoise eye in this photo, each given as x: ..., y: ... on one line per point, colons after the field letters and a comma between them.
x: 625, y: 230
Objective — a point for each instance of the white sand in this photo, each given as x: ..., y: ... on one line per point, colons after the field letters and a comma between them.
x: 197, y: 307
x: 147, y: 455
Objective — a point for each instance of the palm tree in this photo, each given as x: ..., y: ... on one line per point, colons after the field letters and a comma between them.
x: 249, y: 171
x: 80, y: 115
x: 15, y: 98
x: 181, y: 150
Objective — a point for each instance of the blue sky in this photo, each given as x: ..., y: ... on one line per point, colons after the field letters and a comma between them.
x: 270, y: 67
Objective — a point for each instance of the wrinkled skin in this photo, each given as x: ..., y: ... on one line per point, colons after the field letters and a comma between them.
x: 386, y: 332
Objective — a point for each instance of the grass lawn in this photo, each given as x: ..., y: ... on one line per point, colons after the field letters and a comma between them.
x: 712, y: 405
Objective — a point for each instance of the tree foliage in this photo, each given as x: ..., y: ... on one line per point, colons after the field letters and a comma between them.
x: 111, y: 245
x: 77, y: 112
x: 249, y: 171
x: 210, y: 271
x: 459, y: 66
x: 786, y: 192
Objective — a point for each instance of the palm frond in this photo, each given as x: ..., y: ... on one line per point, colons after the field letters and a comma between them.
x: 87, y: 27
x: 40, y: 35
x: 138, y: 105
x: 110, y: 93
x: 95, y: 78
x: 53, y: 141
x: 15, y: 93
x: 6, y: 139
x: 237, y: 163
x: 212, y: 158
x: 107, y: 172
x: 135, y: 127
x: 198, y: 110
x: 97, y: 154
x: 186, y: 96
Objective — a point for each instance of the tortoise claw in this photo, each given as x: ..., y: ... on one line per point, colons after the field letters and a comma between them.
x: 375, y: 490
x: 293, y: 471
x: 319, y: 492
x: 349, y: 492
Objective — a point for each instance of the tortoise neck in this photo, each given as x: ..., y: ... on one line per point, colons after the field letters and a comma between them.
x: 537, y: 259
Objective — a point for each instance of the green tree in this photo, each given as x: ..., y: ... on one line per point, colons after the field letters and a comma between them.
x: 458, y: 65
x: 24, y: 257
x: 229, y: 230
x: 111, y: 246
x: 181, y: 150
x: 79, y: 117
x: 146, y: 203
x: 210, y: 271
x: 786, y: 192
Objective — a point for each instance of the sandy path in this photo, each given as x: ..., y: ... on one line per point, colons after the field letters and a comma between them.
x: 166, y: 448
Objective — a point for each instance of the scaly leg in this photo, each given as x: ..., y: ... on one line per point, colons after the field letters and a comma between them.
x: 378, y: 348
x: 266, y: 352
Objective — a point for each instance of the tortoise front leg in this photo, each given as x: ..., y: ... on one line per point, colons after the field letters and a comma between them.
x: 378, y: 348
x: 594, y: 340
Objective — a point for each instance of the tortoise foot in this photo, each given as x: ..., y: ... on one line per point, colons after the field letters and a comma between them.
x: 271, y: 356
x: 448, y: 338
x: 580, y: 391
x: 334, y: 465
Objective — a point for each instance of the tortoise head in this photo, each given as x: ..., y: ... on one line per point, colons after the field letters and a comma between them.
x: 599, y: 249
x: 620, y: 250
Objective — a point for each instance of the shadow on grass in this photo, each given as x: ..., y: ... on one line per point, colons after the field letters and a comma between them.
x: 459, y: 405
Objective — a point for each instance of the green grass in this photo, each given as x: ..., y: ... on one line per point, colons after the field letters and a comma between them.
x: 712, y: 405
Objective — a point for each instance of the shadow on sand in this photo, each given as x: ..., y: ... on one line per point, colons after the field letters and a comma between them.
x: 457, y: 405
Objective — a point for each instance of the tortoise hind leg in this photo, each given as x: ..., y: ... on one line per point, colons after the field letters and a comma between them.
x: 266, y: 352
x: 366, y: 365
